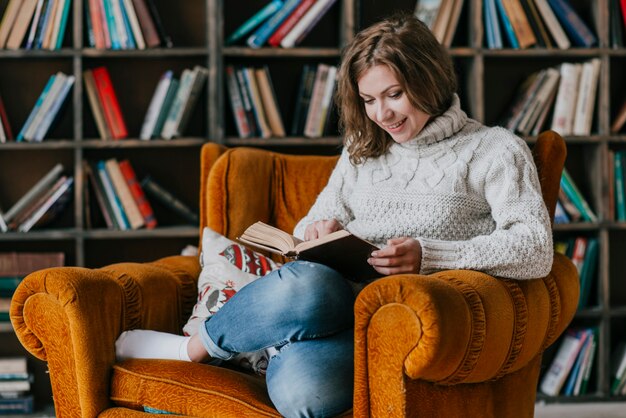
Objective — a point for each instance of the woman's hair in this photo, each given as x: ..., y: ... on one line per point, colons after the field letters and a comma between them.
x: 420, y: 63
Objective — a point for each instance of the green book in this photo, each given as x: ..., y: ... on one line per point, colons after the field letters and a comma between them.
x: 572, y: 191
x: 620, y: 198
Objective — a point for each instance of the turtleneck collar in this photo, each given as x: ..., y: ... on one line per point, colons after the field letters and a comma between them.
x: 441, y: 127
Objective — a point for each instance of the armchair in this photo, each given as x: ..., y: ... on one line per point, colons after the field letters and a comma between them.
x: 451, y: 344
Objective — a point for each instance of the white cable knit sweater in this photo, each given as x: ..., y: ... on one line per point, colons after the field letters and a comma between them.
x: 470, y: 194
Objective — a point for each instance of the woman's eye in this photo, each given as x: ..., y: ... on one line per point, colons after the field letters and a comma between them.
x: 368, y: 101
x: 395, y: 95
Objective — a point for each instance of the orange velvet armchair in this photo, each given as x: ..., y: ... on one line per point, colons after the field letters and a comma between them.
x: 451, y: 344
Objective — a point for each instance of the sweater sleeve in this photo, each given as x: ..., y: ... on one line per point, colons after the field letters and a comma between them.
x: 520, y: 246
x: 332, y: 202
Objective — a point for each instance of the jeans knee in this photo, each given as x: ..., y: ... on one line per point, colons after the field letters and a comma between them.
x: 292, y: 400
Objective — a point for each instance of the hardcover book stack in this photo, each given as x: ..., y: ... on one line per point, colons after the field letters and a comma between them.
x: 34, y: 24
x: 41, y: 204
x: 122, y: 199
x: 566, y: 93
x: 521, y: 24
x: 47, y: 108
x: 15, y: 386
x: 281, y: 23
x: 570, y: 370
x: 441, y: 17
x: 124, y: 24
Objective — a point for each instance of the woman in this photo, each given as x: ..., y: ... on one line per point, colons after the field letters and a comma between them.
x: 432, y: 188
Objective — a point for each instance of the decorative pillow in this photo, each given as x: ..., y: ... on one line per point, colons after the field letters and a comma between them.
x: 227, y: 267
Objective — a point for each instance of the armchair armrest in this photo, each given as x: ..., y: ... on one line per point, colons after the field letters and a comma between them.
x: 454, y: 327
x: 71, y: 317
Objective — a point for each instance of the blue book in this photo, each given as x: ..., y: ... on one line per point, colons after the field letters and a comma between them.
x: 620, y: 192
x: 494, y: 37
x: 34, y: 24
x: 254, y: 21
x: 109, y: 191
x: 108, y: 13
x: 506, y: 23
x: 263, y: 33
x: 588, y: 272
x: 127, y: 28
x: 33, y: 113
x: 576, y: 368
x: 575, y: 27
x: 560, y: 215
x: 63, y: 24
x: 43, y: 25
x: 42, y: 130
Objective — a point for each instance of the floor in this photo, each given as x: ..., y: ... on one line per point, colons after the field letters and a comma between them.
x: 578, y: 410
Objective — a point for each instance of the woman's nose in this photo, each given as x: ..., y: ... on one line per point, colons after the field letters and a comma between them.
x: 383, y: 112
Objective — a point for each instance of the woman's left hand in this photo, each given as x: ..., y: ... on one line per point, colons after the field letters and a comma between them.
x: 401, y: 255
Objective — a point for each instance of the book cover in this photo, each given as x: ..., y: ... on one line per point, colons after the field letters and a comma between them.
x: 546, y: 110
x: 169, y: 126
x: 33, y: 113
x: 98, y: 191
x: 303, y: 99
x: 492, y: 28
x: 339, y: 250
x: 19, y: 264
x: 28, y: 211
x: 586, y: 100
x: 577, y: 367
x: 572, y: 191
x: 618, y: 367
x: 290, y: 22
x: 49, y: 27
x: 113, y: 199
x: 565, y: 105
x: 453, y: 22
x: 246, y: 100
x: 58, y: 198
x: 13, y: 367
x: 616, y: 27
x: 36, y: 190
x: 46, y: 105
x: 96, y: 106
x: 575, y: 27
x: 441, y: 21
x: 158, y: 97
x: 262, y: 34
x: 54, y: 109
x: 168, y: 199
x: 148, y: 28
x: 34, y: 24
x: 20, y: 26
x: 123, y: 193
x: 133, y: 21
x: 19, y: 405
x: 44, y: 21
x: 138, y: 195
x: 553, y: 380
x: 570, y: 208
x: 236, y: 103
x: 110, y: 104
x: 165, y: 108
x: 327, y: 99
x: 253, y: 21
x: 8, y: 20
x: 587, y: 366
x: 535, y: 25
x: 539, y: 101
x: 315, y: 107
x: 96, y: 18
x: 200, y: 75
x: 506, y: 25
x: 620, y: 186
x: 553, y: 24
x: 523, y: 99
x: 129, y: 39
x: 111, y: 24
x: 58, y: 32
x: 519, y: 21
x: 588, y: 272
x: 306, y: 23
x: 260, y: 117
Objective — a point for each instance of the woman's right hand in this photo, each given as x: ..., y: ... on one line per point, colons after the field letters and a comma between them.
x: 318, y: 229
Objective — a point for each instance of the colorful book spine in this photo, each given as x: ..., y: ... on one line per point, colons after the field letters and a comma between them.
x: 254, y: 21
x: 114, y: 201
x: 63, y: 24
x: 262, y: 34
x: 110, y: 104
x: 570, y: 188
x: 52, y: 113
x: 620, y: 184
x: 33, y: 25
x: 30, y: 222
x: 33, y: 112
x: 155, y: 105
x: 506, y: 24
x: 307, y: 23
x: 148, y: 28
x: 575, y: 27
x: 165, y: 108
x: 236, y: 103
x: 140, y: 198
x: 111, y: 24
x: 290, y: 22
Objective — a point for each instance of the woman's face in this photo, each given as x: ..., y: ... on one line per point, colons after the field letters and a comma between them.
x: 387, y: 104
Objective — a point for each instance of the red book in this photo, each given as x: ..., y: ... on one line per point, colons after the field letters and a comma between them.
x: 138, y: 194
x: 290, y: 22
x: 5, y: 122
x: 112, y: 111
x: 97, y: 20
x: 623, y: 4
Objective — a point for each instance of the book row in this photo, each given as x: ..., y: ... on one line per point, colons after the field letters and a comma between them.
x: 441, y: 17
x: 570, y: 370
x: 566, y: 93
x: 34, y: 24
x: 122, y: 199
x: 40, y: 204
x: 124, y: 24
x: 255, y: 109
x: 280, y: 23
x: 583, y: 251
x: 571, y: 204
x: 15, y: 386
x: 521, y: 24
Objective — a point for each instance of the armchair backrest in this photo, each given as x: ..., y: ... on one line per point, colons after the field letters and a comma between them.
x: 240, y: 186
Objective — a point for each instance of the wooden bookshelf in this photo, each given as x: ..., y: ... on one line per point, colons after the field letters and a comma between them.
x: 198, y: 28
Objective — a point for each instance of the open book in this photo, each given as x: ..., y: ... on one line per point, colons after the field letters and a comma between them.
x: 339, y: 250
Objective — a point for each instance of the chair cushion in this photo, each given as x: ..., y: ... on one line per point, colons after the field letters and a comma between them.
x: 191, y: 389
x: 226, y: 268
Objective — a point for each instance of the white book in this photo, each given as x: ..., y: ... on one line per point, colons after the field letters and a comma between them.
x: 13, y: 366
x: 54, y: 109
x: 169, y: 127
x: 426, y: 11
x: 299, y: 28
x: 200, y: 75
x: 41, y: 210
x: 549, y: 83
x: 134, y: 24
x: 55, y: 89
x: 41, y: 185
x: 155, y: 105
x: 565, y: 104
x: 124, y: 194
x: 554, y: 378
x: 585, y: 104
x: 553, y: 25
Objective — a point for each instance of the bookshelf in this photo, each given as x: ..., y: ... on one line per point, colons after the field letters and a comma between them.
x: 198, y: 29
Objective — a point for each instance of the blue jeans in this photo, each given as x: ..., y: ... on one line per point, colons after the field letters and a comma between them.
x: 307, y: 309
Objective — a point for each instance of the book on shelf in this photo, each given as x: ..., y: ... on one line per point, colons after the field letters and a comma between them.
x: 41, y: 199
x: 40, y: 187
x: 269, y: 101
x: 588, y: 271
x: 536, y: 24
x: 250, y: 112
x: 49, y: 209
x: 255, y: 20
x: 441, y: 20
x: 339, y: 250
x: 124, y: 195
x: 250, y: 85
x: 493, y: 36
x: 191, y: 83
x: 610, y: 185
x: 553, y: 25
x: 303, y: 99
x: 539, y: 102
x: 519, y: 23
x: 579, y: 33
x: 20, y: 25
x: 236, y: 103
x: 8, y: 20
x: 321, y: 97
x: 98, y: 190
x: 565, y: 104
x: 164, y: 37
x: 579, y: 374
x: 306, y: 23
x: 453, y: 21
x: 34, y: 24
x: 16, y: 264
x: 172, y: 90
x: 156, y: 103
x: 117, y: 210
x: 149, y: 30
x: 6, y: 124
x: 571, y: 345
x: 570, y: 209
x: 110, y: 104
x: 133, y: 21
x: 507, y: 27
x: 33, y: 113
x: 21, y: 405
x: 586, y: 100
x: 560, y: 215
x: 619, y: 120
x: 262, y: 34
x: 13, y: 368
x: 169, y: 200
x: 97, y: 110
x: 287, y: 25
x: 572, y: 191
x: 523, y: 99
x: 618, y: 369
x: 616, y: 26
x: 139, y: 196
x: 619, y: 174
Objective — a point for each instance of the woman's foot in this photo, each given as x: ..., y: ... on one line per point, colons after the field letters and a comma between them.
x: 149, y: 344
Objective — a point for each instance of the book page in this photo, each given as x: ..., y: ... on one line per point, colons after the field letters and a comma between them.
x: 261, y: 233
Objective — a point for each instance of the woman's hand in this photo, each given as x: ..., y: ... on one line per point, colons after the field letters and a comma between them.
x: 401, y: 255
x: 320, y: 228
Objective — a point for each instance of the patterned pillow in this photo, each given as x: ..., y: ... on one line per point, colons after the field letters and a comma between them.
x: 227, y: 267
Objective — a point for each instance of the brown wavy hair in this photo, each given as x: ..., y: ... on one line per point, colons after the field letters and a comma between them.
x: 422, y: 66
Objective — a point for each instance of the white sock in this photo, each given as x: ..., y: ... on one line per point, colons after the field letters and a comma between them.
x: 141, y: 343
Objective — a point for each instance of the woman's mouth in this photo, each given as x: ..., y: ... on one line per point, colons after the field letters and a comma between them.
x: 395, y: 126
